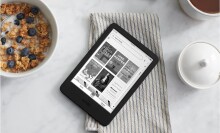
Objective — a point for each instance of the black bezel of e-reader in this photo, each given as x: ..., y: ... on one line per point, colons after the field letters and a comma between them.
x: 86, y: 102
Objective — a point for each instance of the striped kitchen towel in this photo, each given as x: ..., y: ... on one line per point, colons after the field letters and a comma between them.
x: 147, y: 110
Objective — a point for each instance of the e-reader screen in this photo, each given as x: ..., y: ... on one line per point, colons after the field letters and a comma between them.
x: 112, y: 70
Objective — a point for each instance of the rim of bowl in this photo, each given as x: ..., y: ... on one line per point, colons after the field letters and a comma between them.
x: 47, y: 59
x: 202, y: 12
x: 181, y: 74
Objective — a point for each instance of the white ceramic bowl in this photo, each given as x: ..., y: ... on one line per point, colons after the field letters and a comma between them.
x: 198, y: 65
x: 47, y: 13
x: 195, y: 13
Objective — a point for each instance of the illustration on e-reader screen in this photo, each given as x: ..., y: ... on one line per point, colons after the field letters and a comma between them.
x: 102, y: 80
x: 91, y: 70
x: 117, y: 62
x: 128, y: 71
x: 105, y: 52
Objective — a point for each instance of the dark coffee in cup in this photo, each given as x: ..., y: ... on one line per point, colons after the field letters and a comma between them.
x: 208, y: 6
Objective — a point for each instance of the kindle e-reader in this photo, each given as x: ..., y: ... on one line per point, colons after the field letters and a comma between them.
x: 109, y: 74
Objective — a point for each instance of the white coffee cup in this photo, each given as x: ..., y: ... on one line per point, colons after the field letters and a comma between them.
x: 194, y: 12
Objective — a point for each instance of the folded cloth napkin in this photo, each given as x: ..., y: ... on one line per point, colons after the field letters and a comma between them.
x: 147, y: 110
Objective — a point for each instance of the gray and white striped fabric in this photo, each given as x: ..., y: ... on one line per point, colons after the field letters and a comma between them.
x: 147, y: 110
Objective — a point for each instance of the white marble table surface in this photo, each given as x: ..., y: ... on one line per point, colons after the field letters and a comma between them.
x: 34, y: 104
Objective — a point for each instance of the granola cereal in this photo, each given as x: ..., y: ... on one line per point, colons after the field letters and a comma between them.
x: 25, y: 37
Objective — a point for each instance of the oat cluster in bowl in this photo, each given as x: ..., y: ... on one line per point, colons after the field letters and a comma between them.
x: 25, y: 37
